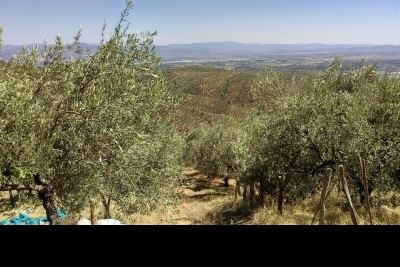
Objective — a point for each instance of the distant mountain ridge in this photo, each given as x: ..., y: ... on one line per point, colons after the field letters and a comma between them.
x: 215, y: 49
x: 233, y: 49
x: 9, y: 50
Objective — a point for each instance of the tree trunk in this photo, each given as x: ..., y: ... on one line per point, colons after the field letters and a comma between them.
x: 323, y: 196
x: 280, y: 196
x: 46, y: 194
x: 252, y: 192
x: 11, y: 197
x: 107, y: 206
x: 347, y: 194
x: 226, y: 180
x: 237, y: 189
x: 366, y: 190
x: 93, y: 212
x: 245, y: 192
x: 262, y: 191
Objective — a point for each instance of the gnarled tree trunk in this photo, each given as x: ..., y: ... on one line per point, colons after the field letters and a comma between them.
x: 46, y: 194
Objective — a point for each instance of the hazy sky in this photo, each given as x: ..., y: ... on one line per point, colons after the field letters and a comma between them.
x: 189, y: 21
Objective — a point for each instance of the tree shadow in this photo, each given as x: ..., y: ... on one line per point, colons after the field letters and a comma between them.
x: 228, y: 215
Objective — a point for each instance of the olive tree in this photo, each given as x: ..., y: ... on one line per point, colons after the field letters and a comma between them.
x: 269, y: 147
x: 335, y: 117
x: 217, y: 150
x: 93, y: 125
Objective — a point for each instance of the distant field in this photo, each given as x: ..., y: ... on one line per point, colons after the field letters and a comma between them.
x: 294, y: 62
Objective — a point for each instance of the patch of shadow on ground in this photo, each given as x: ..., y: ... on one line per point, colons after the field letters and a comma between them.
x: 227, y: 215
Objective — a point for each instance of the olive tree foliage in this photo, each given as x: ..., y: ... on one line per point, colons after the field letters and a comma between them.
x: 379, y: 100
x: 96, y: 125
x: 270, y: 150
x: 217, y: 150
x: 334, y: 118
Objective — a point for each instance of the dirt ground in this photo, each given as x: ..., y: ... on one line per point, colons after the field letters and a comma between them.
x: 204, y: 201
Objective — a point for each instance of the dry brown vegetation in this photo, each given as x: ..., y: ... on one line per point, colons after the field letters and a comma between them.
x: 206, y: 201
x: 210, y: 93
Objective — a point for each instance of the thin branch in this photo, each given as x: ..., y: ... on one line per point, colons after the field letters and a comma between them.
x: 58, y: 118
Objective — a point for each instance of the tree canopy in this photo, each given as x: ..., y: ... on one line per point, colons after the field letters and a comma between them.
x: 331, y: 118
x: 95, y: 125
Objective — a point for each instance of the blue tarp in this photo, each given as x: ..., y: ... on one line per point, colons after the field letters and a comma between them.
x: 60, y: 214
x: 24, y: 219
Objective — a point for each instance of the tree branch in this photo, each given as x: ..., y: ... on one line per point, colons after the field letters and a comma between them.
x: 19, y: 187
x: 40, y: 181
x: 59, y: 117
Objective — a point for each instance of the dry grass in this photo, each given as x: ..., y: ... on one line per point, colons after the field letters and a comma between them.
x: 206, y: 201
x: 306, y: 212
x: 32, y: 207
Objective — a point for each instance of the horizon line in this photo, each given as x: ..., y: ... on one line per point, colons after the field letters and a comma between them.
x: 192, y: 43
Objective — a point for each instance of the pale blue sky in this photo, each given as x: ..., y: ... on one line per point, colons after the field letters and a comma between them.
x: 189, y: 21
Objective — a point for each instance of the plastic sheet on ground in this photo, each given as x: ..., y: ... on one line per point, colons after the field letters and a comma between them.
x: 24, y: 219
